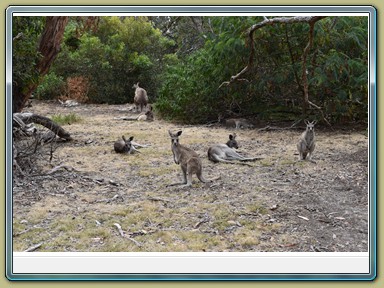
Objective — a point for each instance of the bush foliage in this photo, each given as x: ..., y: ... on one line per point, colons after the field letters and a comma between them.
x: 183, y: 61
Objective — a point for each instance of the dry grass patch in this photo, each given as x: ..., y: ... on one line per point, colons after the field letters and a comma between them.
x: 77, y: 210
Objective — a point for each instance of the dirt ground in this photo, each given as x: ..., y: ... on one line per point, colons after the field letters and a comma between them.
x: 86, y: 191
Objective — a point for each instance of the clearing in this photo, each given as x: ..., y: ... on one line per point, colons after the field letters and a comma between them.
x: 277, y: 204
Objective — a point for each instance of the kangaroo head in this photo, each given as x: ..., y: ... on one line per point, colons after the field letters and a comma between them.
x: 174, y: 137
x: 175, y: 145
x: 310, y: 125
x: 128, y: 144
x: 232, y: 143
x: 135, y: 86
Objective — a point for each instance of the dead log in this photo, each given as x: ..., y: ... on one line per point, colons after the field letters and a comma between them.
x: 28, y: 118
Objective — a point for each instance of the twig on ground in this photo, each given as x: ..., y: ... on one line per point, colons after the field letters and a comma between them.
x: 33, y: 248
x: 122, y: 234
x: 61, y: 166
x: 22, y: 232
x: 158, y: 199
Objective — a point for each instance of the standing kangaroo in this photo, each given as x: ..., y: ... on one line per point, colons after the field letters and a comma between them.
x: 141, y: 97
x: 306, y: 143
x: 188, y: 159
x: 225, y: 153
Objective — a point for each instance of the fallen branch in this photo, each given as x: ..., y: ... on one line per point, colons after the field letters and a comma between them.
x: 122, y: 234
x: 27, y: 118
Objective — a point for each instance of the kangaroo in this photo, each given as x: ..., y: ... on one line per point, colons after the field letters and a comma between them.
x: 148, y: 116
x: 124, y: 146
x: 306, y: 143
x: 188, y: 159
x: 141, y: 97
x: 225, y: 153
x: 238, y: 123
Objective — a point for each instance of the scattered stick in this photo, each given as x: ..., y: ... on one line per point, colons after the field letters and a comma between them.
x: 61, y: 166
x: 109, y: 200
x: 197, y: 225
x: 122, y: 233
x: 302, y: 217
x: 158, y: 199
x: 33, y: 248
x: 126, y: 118
x: 22, y: 232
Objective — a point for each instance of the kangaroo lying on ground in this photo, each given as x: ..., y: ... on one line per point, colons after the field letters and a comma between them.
x: 147, y: 116
x: 141, y: 97
x: 306, y: 143
x: 188, y: 159
x: 225, y: 153
x: 127, y: 146
x: 237, y: 123
x: 124, y: 146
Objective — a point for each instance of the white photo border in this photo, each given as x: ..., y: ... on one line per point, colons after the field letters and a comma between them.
x: 234, y: 273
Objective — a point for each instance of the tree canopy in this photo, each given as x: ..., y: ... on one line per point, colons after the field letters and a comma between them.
x: 183, y: 62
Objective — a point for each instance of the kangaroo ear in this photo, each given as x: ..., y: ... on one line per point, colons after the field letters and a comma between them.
x: 230, y: 136
x: 306, y: 122
x: 179, y: 133
x: 123, y: 137
x: 314, y: 122
x: 131, y: 138
x: 170, y: 133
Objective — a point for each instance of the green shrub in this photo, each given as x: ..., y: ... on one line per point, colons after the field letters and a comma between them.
x: 51, y: 87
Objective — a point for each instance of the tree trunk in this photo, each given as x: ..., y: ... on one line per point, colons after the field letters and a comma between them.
x: 49, y: 47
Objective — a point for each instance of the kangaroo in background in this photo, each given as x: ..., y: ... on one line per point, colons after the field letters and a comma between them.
x: 147, y: 116
x: 188, y: 159
x: 128, y: 146
x: 225, y: 153
x: 123, y: 145
x: 238, y: 123
x: 306, y: 143
x: 141, y: 97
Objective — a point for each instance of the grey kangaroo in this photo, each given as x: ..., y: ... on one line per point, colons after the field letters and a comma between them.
x: 147, y: 116
x: 306, y: 143
x: 141, y: 97
x: 225, y: 153
x: 238, y: 123
x: 188, y: 159
x: 124, y: 146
